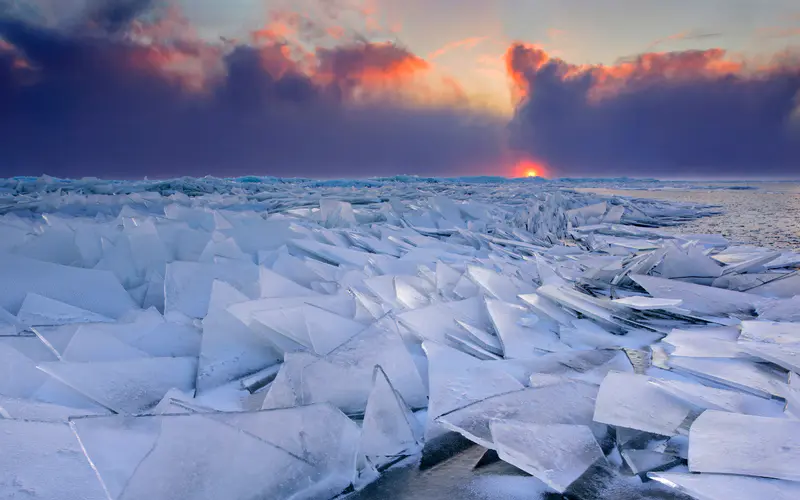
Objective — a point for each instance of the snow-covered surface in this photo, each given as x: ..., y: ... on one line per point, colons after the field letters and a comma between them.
x: 268, y: 338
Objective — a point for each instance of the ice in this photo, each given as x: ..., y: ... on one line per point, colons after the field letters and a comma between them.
x: 570, y: 402
x: 770, y: 332
x: 701, y: 299
x: 519, y: 341
x: 457, y: 380
x: 728, y: 487
x: 129, y: 387
x: 703, y: 397
x: 730, y: 443
x: 648, y: 303
x: 44, y: 461
x: 390, y: 430
x: 96, y: 291
x: 643, y: 461
x: 634, y: 402
x: 556, y: 454
x: 188, y: 284
x: 236, y: 324
x: 741, y: 374
x: 230, y: 350
x: 160, y: 457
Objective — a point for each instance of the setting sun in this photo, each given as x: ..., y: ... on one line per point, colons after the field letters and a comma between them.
x: 529, y: 168
x: 531, y: 173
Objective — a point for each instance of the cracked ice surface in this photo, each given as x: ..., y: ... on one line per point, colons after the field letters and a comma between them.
x: 275, y: 338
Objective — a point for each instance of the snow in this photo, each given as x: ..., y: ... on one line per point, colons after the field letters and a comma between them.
x: 291, y: 338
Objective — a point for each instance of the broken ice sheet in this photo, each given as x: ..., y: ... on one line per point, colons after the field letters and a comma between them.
x: 703, y: 397
x: 710, y: 342
x: 641, y: 462
x: 556, y: 454
x: 519, y: 341
x: 730, y: 443
x: 229, y: 350
x: 571, y: 402
x: 456, y: 380
x: 771, y: 332
x: 128, y: 387
x: 742, y: 374
x: 727, y: 486
x: 44, y: 461
x: 240, y: 456
x: 27, y: 409
x: 390, y: 430
x: 632, y: 401
x: 344, y: 377
x: 435, y: 321
x: 701, y: 299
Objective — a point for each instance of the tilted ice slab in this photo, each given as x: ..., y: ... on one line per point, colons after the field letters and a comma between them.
x: 570, y: 402
x: 728, y: 487
x: 730, y: 443
x: 701, y: 299
x: 557, y: 454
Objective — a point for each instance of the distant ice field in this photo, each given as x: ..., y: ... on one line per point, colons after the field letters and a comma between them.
x: 766, y: 215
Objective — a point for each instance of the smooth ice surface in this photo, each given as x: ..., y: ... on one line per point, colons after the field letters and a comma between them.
x: 517, y: 340
x: 129, y: 387
x: 556, y: 454
x: 700, y: 299
x: 44, y: 461
x: 728, y: 487
x: 742, y: 374
x: 729, y: 443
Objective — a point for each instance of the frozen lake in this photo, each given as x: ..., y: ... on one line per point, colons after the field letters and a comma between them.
x: 767, y: 215
x: 290, y: 338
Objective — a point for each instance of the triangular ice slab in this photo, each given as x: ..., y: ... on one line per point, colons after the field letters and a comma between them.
x: 273, y: 285
x: 711, y: 398
x: 641, y: 462
x: 91, y: 344
x: 26, y: 409
x: 326, y: 330
x: 229, y: 350
x: 128, y: 387
x: 556, y: 454
x: 344, y: 377
x: 37, y: 310
x: 390, y: 430
x: 771, y: 332
x: 730, y: 443
x: 436, y: 321
x: 728, y: 487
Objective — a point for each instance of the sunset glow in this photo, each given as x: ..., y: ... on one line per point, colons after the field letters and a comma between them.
x: 529, y: 168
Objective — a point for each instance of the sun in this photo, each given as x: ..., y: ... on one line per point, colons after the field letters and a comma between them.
x: 531, y: 173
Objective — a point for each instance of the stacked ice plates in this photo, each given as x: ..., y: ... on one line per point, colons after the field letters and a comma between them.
x: 239, y: 339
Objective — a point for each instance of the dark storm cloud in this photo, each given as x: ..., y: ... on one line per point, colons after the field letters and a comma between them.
x: 690, y: 113
x: 104, y: 105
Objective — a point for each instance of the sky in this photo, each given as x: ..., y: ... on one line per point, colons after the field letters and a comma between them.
x: 363, y: 88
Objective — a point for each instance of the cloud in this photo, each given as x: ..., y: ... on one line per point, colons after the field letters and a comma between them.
x: 467, y: 43
x: 668, y: 114
x: 143, y: 95
x: 684, y: 36
x: 778, y: 32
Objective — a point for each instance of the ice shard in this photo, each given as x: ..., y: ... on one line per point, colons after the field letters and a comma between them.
x: 389, y: 429
x: 519, y: 341
x: 742, y: 374
x: 556, y: 454
x: 731, y: 443
x: 701, y: 299
x: 570, y: 402
x: 632, y: 401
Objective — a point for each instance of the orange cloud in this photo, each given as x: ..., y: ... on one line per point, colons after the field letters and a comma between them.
x: 465, y: 43
x: 682, y: 36
x: 524, y: 60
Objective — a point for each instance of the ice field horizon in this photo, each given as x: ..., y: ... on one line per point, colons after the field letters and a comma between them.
x: 399, y: 337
